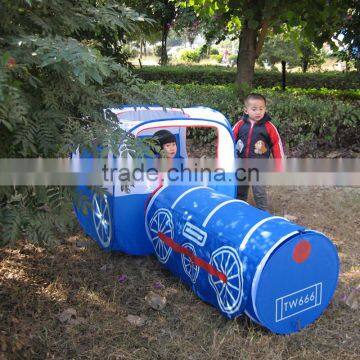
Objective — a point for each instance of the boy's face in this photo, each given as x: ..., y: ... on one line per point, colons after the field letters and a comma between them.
x: 255, y: 109
x: 170, y: 149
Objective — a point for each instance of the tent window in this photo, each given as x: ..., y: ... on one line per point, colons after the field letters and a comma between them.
x: 201, y: 141
x: 192, y: 141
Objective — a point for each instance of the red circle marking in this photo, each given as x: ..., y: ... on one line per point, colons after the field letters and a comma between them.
x: 302, y: 251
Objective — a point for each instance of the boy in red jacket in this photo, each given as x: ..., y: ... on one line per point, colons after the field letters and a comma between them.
x: 256, y: 137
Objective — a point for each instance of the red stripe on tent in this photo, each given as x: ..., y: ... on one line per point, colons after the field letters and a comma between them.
x: 151, y: 195
x: 195, y: 259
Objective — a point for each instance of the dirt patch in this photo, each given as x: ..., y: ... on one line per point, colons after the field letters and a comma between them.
x: 75, y: 302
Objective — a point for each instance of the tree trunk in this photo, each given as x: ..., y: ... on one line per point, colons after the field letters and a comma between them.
x: 141, y: 49
x: 164, y: 55
x: 304, y: 65
x: 145, y: 51
x: 250, y: 44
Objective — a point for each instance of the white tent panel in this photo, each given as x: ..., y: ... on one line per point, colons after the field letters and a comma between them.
x: 130, y: 117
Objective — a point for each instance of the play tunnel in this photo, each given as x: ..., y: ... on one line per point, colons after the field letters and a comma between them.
x: 241, y: 259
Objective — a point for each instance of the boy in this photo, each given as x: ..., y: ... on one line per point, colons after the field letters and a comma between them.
x: 256, y: 137
x: 167, y: 142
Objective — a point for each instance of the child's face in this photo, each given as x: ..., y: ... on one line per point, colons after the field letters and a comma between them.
x: 170, y: 149
x: 255, y: 109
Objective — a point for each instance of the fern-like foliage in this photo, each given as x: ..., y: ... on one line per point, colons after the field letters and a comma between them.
x: 57, y: 73
x: 41, y: 214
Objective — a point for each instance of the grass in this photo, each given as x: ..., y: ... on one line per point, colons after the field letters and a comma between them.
x: 38, y: 284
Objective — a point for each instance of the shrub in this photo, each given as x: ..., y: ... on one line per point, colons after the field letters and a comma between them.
x: 190, y: 56
x: 349, y: 95
x: 214, y: 51
x: 216, y: 57
x: 222, y: 75
x: 307, y: 124
x: 233, y: 58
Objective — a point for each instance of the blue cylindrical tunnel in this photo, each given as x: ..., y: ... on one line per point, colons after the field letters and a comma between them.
x: 242, y: 259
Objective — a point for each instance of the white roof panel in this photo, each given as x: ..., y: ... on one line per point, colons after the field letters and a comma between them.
x: 132, y: 116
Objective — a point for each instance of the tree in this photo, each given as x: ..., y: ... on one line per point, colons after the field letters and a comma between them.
x: 163, y: 13
x: 277, y: 49
x: 110, y: 32
x: 310, y: 55
x: 251, y: 22
x: 53, y: 87
x: 188, y: 23
x: 291, y: 46
x: 349, y: 36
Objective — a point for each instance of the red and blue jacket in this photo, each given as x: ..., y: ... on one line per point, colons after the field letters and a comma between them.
x: 257, y: 139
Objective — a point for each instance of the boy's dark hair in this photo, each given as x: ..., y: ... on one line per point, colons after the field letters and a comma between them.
x: 163, y: 137
x: 254, y: 96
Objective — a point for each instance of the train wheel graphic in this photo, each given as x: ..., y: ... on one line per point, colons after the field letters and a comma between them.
x: 191, y: 270
x: 102, y: 219
x: 229, y: 294
x: 161, y: 222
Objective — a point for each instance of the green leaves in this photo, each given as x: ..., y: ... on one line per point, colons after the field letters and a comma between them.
x: 113, y: 16
x: 190, y: 56
x: 54, y: 82
x: 13, y: 110
x: 67, y: 54
x: 42, y: 214
x: 319, y: 19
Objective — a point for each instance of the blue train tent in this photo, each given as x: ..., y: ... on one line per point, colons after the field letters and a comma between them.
x: 233, y: 256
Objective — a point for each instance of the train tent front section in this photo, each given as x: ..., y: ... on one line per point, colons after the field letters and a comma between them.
x: 116, y: 218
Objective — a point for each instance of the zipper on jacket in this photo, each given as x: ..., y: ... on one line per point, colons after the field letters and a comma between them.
x: 249, y: 140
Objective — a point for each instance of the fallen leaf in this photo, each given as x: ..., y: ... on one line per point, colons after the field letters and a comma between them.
x: 171, y: 291
x: 3, y: 344
x: 158, y: 285
x: 290, y: 217
x: 76, y: 321
x: 334, y: 154
x: 136, y: 320
x: 122, y: 278
x: 353, y: 300
x: 67, y: 315
x: 15, y: 320
x: 107, y: 267
x: 155, y: 301
x: 80, y: 244
x: 17, y: 343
